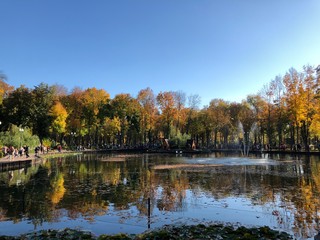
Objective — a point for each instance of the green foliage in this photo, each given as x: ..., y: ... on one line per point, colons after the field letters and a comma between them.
x: 177, y: 139
x: 15, y: 137
x: 41, y: 104
x: 17, y: 107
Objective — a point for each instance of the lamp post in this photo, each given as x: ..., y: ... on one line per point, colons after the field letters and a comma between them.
x: 119, y: 139
x: 73, y: 134
x: 21, y: 130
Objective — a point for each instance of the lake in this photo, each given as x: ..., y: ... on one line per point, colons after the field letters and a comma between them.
x: 130, y: 193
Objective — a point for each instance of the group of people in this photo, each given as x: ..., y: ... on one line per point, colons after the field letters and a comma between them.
x: 13, y: 152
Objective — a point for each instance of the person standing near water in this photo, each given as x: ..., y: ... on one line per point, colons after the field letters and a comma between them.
x: 11, y: 151
x: 26, y: 150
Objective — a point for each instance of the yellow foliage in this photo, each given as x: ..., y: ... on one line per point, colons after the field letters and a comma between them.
x: 60, y: 116
x: 4, y: 88
x: 93, y: 98
x: 115, y: 176
x: 315, y: 125
x: 57, y: 185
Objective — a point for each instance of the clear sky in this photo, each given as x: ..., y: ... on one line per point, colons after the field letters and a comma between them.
x: 215, y: 48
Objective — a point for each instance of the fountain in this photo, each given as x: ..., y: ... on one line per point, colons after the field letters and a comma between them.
x: 245, y: 132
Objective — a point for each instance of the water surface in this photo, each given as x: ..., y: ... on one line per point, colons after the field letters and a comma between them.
x: 112, y: 193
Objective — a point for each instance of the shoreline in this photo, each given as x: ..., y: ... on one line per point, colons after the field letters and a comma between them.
x: 180, y: 231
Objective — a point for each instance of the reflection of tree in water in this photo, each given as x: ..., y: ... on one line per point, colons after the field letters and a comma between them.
x: 113, y: 178
x: 173, y: 191
x: 58, y: 189
x: 305, y: 208
x: 89, y: 210
x: 307, y: 202
x: 147, y: 186
x: 36, y: 206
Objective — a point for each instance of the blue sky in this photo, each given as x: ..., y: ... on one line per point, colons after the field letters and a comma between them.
x: 215, y: 48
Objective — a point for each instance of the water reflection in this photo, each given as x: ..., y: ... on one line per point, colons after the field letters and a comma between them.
x: 126, y: 193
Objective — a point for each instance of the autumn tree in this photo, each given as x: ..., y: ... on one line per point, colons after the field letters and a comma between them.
x: 193, y: 107
x: 315, y: 124
x: 93, y: 101
x: 204, y: 127
x: 167, y: 105
x: 74, y: 107
x: 292, y: 81
x: 59, y: 123
x: 110, y: 129
x: 300, y: 98
x: 280, y: 111
x: 127, y: 109
x: 180, y: 101
x: 234, y: 112
x: 195, y: 127
x: 219, y: 119
x: 147, y: 100
x: 5, y: 88
x: 309, y: 102
x: 266, y: 121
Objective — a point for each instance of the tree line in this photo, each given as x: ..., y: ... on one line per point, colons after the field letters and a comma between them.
x: 284, y: 113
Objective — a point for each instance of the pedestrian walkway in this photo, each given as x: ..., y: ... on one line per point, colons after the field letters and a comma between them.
x: 16, y: 159
x: 18, y: 162
x: 32, y: 156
